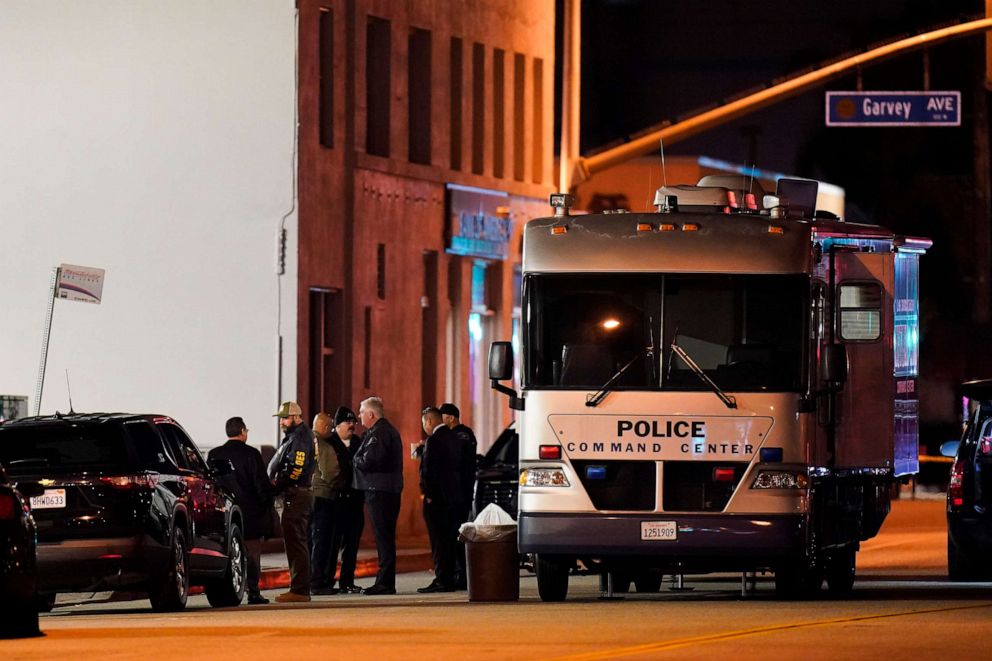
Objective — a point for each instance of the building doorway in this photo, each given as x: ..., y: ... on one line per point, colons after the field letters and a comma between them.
x: 326, y: 352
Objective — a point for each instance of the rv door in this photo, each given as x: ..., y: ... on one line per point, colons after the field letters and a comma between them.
x: 862, y: 307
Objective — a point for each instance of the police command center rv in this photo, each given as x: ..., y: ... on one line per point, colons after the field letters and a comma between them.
x: 714, y: 387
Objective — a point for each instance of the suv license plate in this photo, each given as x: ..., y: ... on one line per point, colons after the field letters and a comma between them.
x: 659, y: 531
x: 51, y: 499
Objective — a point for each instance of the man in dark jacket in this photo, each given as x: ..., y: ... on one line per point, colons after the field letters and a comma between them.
x: 467, y: 466
x: 440, y: 483
x: 328, y: 481
x: 253, y: 493
x: 291, y: 470
x: 379, y: 473
x: 349, y: 512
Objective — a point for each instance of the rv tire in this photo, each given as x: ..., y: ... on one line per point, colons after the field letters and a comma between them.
x: 552, y: 578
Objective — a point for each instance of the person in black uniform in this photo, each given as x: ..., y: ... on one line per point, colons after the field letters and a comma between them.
x: 440, y: 483
x: 467, y: 466
x: 349, y: 514
x: 379, y: 473
x: 291, y: 471
x: 253, y: 493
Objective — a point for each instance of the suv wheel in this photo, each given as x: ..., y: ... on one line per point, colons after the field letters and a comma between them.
x: 169, y: 591
x: 230, y: 590
x: 21, y: 621
x: 960, y: 566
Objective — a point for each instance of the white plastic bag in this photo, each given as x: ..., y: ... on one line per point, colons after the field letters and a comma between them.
x: 492, y: 525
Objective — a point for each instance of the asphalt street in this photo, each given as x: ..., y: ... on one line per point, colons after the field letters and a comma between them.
x: 902, y: 606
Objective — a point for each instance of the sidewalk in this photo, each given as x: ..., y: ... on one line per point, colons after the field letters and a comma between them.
x: 275, y: 569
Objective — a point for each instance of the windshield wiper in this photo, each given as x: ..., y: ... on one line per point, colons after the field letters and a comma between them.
x: 606, y: 387
x: 41, y: 461
x: 728, y: 400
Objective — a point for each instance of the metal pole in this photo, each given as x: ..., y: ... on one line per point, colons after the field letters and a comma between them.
x: 570, y: 92
x: 44, y: 341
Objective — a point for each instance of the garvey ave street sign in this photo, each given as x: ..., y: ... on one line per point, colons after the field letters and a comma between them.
x: 876, y: 108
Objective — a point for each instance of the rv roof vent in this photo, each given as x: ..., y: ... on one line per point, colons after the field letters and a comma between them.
x: 691, y: 198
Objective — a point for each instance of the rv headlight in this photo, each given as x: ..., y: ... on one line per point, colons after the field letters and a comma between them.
x: 543, y: 477
x: 780, y: 480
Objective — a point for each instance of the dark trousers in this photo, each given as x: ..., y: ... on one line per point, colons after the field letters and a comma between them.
x: 443, y: 531
x: 384, y: 510
x: 323, y: 559
x: 462, y: 511
x: 349, y: 522
x: 253, y: 551
x: 297, y: 507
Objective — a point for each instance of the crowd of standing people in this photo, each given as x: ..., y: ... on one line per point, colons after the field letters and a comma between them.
x: 328, y: 475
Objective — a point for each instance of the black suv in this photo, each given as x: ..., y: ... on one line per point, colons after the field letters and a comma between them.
x: 126, y: 501
x: 497, y: 476
x: 969, y: 493
x: 18, y: 571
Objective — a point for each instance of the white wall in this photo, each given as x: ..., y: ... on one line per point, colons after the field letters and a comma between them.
x: 155, y: 140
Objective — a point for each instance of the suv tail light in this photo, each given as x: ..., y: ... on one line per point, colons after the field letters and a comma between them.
x: 955, y: 488
x: 142, y: 481
x: 7, y: 506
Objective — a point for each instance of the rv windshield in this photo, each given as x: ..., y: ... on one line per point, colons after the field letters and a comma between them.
x: 746, y: 332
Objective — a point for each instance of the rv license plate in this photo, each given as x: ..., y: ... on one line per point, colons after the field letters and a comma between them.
x: 660, y: 531
x: 51, y: 499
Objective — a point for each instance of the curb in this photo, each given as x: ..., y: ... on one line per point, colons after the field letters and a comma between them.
x: 272, y: 579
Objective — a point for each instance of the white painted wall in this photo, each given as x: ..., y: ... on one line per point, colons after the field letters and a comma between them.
x: 155, y: 140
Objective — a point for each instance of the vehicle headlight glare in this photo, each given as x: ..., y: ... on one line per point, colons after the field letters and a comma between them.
x: 780, y: 480
x: 543, y: 477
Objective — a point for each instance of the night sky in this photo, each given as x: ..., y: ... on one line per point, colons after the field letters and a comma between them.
x: 648, y: 61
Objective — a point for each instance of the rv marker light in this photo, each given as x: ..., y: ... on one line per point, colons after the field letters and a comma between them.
x: 549, y: 452
x: 771, y: 455
x: 723, y: 474
x: 595, y: 472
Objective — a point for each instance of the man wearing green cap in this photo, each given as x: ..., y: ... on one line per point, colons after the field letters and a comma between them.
x: 291, y: 470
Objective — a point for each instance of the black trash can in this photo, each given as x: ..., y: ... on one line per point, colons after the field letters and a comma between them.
x: 492, y: 563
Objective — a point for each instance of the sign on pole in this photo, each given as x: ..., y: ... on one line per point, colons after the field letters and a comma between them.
x: 80, y: 283
x: 70, y: 283
x: 877, y: 108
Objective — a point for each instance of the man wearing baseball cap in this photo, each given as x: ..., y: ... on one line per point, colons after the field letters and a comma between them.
x: 291, y: 470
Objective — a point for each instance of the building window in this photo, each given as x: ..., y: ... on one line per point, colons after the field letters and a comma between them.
x: 419, y: 96
x: 367, y: 345
x: 537, y: 142
x: 519, y: 74
x: 377, y: 83
x: 499, y: 113
x: 325, y: 102
x: 380, y: 271
x: 456, y: 103
x: 478, y: 107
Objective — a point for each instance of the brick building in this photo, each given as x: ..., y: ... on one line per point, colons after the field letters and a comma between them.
x: 425, y: 141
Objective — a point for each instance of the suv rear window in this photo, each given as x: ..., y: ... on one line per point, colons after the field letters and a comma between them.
x: 62, y: 449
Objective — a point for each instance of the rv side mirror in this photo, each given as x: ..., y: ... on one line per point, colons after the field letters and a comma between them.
x: 834, y: 363
x: 500, y: 361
